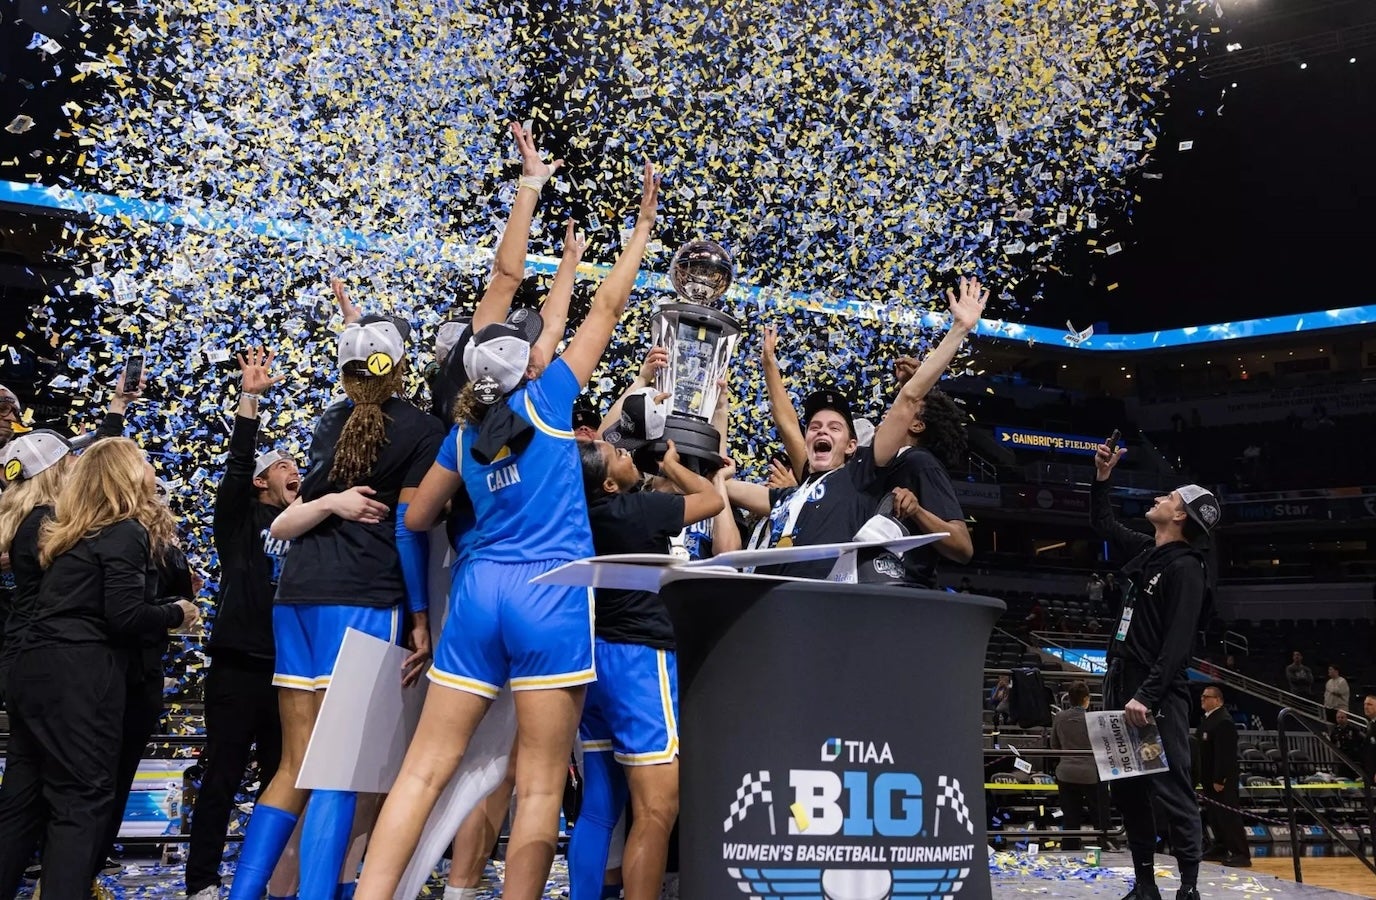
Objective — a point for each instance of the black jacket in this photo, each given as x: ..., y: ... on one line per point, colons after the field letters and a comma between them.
x: 248, y: 571
x: 101, y: 591
x: 1217, y: 749
x: 1167, y: 590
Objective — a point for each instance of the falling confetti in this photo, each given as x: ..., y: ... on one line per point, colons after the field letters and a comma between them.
x: 855, y: 154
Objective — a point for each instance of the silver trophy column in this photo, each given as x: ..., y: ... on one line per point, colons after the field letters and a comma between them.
x: 699, y: 339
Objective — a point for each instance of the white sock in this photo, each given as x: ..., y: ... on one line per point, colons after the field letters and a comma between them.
x: 458, y: 893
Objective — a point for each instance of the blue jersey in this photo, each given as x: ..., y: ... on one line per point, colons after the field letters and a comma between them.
x: 529, y: 506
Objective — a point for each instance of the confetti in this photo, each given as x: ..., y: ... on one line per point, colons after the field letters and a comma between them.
x: 855, y: 160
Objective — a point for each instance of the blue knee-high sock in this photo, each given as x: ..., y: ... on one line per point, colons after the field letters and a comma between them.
x: 604, y: 797
x: 325, y: 842
x: 269, y: 829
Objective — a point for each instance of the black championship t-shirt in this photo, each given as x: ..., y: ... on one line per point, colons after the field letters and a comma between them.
x: 641, y: 522
x: 352, y: 563
x: 923, y: 474
x: 833, y: 507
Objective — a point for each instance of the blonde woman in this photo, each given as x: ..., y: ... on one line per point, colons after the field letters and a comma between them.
x: 67, y: 682
x: 35, y: 466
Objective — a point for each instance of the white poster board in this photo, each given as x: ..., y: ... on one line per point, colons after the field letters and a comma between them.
x: 366, y: 721
x: 1122, y: 750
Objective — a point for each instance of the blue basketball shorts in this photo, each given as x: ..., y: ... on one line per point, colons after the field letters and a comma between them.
x: 308, y: 638
x: 503, y: 628
x: 632, y: 709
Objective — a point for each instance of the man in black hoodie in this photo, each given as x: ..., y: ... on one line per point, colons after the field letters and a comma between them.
x: 240, y: 701
x: 1165, y: 596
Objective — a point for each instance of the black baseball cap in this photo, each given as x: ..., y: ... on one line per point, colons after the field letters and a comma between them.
x: 828, y: 398
x: 585, y: 414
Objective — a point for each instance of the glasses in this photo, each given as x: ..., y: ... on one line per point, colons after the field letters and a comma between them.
x: 8, y: 405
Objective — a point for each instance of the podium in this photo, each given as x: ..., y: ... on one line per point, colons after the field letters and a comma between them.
x: 831, y: 740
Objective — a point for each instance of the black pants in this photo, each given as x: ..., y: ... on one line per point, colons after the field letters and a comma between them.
x: 142, y: 710
x: 1229, y: 835
x: 1172, y: 789
x: 66, y: 707
x: 1076, y: 800
x: 240, y: 712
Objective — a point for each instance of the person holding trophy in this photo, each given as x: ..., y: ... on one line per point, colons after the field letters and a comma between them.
x: 514, y: 454
x: 842, y: 483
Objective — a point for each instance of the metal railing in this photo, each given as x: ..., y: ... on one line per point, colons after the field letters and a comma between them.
x: 1294, y: 799
x: 1262, y: 690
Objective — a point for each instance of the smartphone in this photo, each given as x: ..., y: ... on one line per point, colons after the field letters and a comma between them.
x: 133, y: 374
x: 1113, y: 440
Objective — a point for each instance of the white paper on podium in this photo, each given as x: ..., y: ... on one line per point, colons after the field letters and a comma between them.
x: 651, y: 571
x: 366, y: 721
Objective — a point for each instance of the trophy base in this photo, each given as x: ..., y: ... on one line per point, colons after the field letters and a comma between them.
x: 697, y: 442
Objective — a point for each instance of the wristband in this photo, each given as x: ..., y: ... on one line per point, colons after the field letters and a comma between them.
x: 535, y: 182
x: 243, y: 394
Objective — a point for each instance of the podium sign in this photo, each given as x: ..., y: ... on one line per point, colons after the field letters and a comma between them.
x: 831, y: 740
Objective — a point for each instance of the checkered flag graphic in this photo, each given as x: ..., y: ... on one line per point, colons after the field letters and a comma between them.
x: 953, y: 798
x: 753, y: 788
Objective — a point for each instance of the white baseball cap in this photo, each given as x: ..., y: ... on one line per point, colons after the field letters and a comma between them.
x: 501, y: 351
x: 377, y: 341
x: 37, y: 451
x: 1201, y: 505
x: 864, y: 432
x: 267, y: 459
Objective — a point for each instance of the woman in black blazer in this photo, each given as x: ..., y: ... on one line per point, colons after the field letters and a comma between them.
x: 67, y: 683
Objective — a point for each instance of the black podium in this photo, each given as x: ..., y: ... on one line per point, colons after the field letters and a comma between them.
x: 831, y: 740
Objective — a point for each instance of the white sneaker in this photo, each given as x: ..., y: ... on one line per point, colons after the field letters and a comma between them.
x: 206, y: 893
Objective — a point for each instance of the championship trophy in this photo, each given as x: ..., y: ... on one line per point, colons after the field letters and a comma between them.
x: 699, y: 339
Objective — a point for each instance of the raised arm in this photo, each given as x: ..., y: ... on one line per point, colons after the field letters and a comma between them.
x: 725, y: 535
x: 966, y: 309
x: 1101, y: 518
x: 555, y: 310
x: 655, y: 360
x: 590, y: 341
x: 781, y: 405
x: 509, y: 266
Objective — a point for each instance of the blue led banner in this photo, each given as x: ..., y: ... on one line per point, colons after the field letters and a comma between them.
x: 1026, y: 439
x: 87, y: 203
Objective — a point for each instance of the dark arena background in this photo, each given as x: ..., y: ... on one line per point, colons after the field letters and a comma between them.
x: 1192, y: 179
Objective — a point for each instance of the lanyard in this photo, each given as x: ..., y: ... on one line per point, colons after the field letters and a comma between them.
x: 794, y: 506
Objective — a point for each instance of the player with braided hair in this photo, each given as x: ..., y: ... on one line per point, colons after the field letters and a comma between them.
x: 345, y: 569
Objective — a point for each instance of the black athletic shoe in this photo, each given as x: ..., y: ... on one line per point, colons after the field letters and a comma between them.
x: 1143, y: 891
x: 34, y: 872
x: 110, y: 867
x: 1187, y: 893
x: 1239, y: 860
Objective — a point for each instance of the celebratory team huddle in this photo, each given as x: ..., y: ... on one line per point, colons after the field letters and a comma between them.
x: 523, y: 481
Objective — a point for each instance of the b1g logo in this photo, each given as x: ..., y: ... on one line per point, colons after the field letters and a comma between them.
x: 857, y: 831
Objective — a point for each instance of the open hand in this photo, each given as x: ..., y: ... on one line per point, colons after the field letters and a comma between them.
x: 575, y: 242
x: 347, y: 309
x: 255, y: 368
x: 531, y: 163
x: 649, y: 196
x: 771, y: 345
x: 967, y: 308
